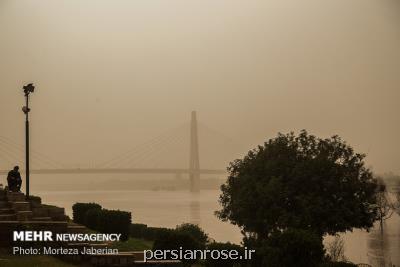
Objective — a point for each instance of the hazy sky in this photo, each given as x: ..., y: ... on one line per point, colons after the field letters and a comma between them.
x: 113, y: 74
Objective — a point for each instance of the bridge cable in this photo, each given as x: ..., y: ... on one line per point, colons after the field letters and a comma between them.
x: 139, y: 149
x: 150, y: 151
x: 36, y: 156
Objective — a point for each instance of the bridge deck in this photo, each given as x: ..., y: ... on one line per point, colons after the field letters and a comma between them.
x: 122, y: 170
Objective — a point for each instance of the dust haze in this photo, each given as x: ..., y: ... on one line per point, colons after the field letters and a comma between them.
x: 111, y: 75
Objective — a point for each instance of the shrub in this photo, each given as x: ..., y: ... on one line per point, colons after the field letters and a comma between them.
x: 171, y: 239
x: 35, y: 201
x: 152, y: 233
x: 209, y: 262
x: 114, y: 221
x: 138, y: 230
x: 194, y: 231
x: 79, y: 211
x: 92, y: 218
x: 106, y: 221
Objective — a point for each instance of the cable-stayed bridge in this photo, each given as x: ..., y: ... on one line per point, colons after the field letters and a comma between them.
x: 174, y: 152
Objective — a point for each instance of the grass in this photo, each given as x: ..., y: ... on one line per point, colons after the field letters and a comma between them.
x: 7, y: 260
x: 133, y: 244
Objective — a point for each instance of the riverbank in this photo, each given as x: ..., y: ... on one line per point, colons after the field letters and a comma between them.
x: 168, y: 209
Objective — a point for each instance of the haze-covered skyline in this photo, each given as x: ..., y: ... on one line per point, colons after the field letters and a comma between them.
x: 113, y: 74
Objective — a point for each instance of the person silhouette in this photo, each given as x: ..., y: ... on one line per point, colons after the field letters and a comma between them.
x: 14, y: 180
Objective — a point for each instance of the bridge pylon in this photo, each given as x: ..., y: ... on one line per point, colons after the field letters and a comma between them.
x: 194, y: 160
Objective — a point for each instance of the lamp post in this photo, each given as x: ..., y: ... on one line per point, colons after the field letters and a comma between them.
x: 29, y: 88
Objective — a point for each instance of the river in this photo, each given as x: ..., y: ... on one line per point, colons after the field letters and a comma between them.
x: 170, y: 208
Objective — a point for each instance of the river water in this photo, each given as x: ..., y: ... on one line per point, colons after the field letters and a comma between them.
x: 170, y: 208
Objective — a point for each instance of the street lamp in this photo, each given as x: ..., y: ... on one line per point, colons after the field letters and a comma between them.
x: 29, y: 88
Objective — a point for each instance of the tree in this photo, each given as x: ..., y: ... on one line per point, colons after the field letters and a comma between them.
x: 195, y: 231
x: 384, y: 205
x: 171, y: 239
x: 301, y: 182
x: 336, y: 249
x: 289, y: 248
x: 397, y: 205
x: 215, y: 246
x: 397, y: 192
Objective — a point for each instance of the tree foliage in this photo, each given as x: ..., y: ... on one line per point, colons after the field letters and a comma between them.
x: 209, y: 262
x: 289, y: 248
x: 384, y: 205
x: 301, y: 182
x: 171, y: 239
x: 335, y: 249
x: 79, y: 211
x: 195, y: 231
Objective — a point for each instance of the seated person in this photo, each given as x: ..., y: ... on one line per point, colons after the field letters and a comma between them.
x: 14, y: 180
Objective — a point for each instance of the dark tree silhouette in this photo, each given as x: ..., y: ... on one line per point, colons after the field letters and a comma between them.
x: 301, y: 182
x: 384, y: 205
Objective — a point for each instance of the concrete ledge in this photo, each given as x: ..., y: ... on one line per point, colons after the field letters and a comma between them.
x: 40, y: 212
x: 55, y: 213
x: 77, y: 229
x: 159, y: 263
x: 113, y: 260
x: 15, y: 196
x: 7, y: 228
x: 33, y: 223
x: 41, y: 219
x: 21, y: 206
x: 7, y: 217
x: 4, y: 204
x: 6, y: 211
x: 24, y: 215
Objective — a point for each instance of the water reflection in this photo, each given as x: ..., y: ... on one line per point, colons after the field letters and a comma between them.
x: 384, y: 242
x: 378, y: 246
x: 195, y: 217
x: 170, y: 208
